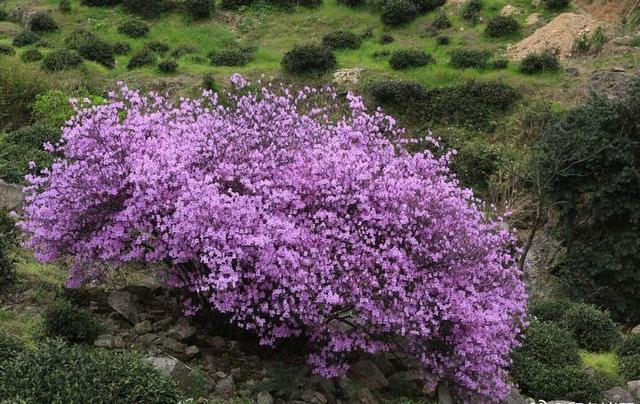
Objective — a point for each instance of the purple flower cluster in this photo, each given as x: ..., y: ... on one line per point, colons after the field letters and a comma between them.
x: 294, y: 213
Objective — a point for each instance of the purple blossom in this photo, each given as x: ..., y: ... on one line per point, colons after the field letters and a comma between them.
x: 294, y: 217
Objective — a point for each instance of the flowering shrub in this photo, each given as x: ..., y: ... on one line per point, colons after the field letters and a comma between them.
x: 292, y: 217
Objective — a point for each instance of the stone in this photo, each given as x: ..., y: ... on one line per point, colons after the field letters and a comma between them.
x: 634, y: 388
x: 149, y: 339
x: 622, y: 41
x: 162, y: 324
x: 515, y: 397
x: 226, y: 387
x: 182, y: 331
x: 536, y: 3
x: 173, y: 345
x: 192, y: 351
x: 178, y: 371
x: 264, y: 398
x: 125, y: 304
x: 617, y: 395
x: 109, y: 341
x: 367, y: 373
x: 534, y: 20
x: 143, y: 327
x: 385, y: 366
x: 444, y: 394
x: 348, y: 76
x: 216, y: 343
x: 612, y: 84
x: 313, y: 397
x: 364, y: 396
x: 636, y: 330
x: 11, y: 196
x: 220, y: 374
x: 410, y: 381
x: 509, y: 11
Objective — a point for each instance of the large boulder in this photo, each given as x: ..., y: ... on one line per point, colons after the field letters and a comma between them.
x: 617, y: 395
x: 184, y: 377
x: 366, y: 373
x: 612, y: 83
x: 126, y: 304
x: 634, y: 388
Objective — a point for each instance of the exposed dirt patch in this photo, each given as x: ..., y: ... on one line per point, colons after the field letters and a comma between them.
x: 611, y: 11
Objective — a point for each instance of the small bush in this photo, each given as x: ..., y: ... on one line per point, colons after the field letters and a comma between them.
x: 52, y: 109
x: 64, y: 6
x: 550, y: 309
x: 7, y: 50
x: 398, y: 12
x: 168, y: 66
x: 100, y: 3
x: 61, y: 59
x: 408, y: 58
x: 606, y: 381
x: 386, y: 38
x: 209, y: 82
x: 630, y: 367
x: 635, y: 42
x: 313, y: 59
x: 442, y: 40
x: 556, y: 4
x: 341, y: 40
x: 200, y: 9
x: 589, y: 44
x: 147, y: 8
x: 56, y: 372
x: 539, y: 63
x: 183, y: 50
x: 99, y: 51
x: 42, y: 21
x: 10, y: 346
x: 78, y: 37
x: 238, y: 56
x: 121, y: 48
x: 424, y: 6
x: 133, y: 28
x: 565, y: 383
x: 394, y: 92
x: 593, y: 328
x: 236, y: 4
x: 630, y: 346
x: 471, y: 10
x: 550, y: 344
x: 144, y: 57
x: 25, y: 38
x: 474, y: 164
x: 441, y: 21
x: 31, y: 55
x: 466, y: 58
x: 500, y: 64
x: 502, y: 26
x: 352, y: 3
x: 8, y: 241
x: 63, y: 319
x: 157, y: 47
x: 3, y: 15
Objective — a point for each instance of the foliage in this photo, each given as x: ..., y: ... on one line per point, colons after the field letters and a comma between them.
x: 587, y: 44
x: 144, y: 57
x: 56, y: 372
x: 10, y: 347
x: 8, y: 241
x: 209, y: 83
x: 398, y: 12
x: 64, y: 6
x: 502, y: 26
x: 550, y: 309
x: 500, y: 64
x: 65, y: 320
x: 465, y: 58
x: 556, y: 4
x: 18, y: 87
x: 630, y: 367
x: 635, y: 41
x: 475, y: 163
x: 386, y: 38
x: 269, y: 205
x: 471, y: 10
x: 7, y: 50
x: 168, y: 66
x: 593, y: 328
x: 549, y: 344
x: 42, y: 21
x: 443, y: 40
x: 133, y: 28
x: 341, y: 39
x: 309, y: 59
x: 3, y: 14
x: 99, y: 51
x: 232, y: 56
x: 565, y: 383
x: 61, y: 59
x: 441, y: 21
x: 53, y: 108
x: 25, y: 38
x: 100, y: 3
x: 236, y: 4
x: 630, y: 345
x: 589, y: 158
x: 352, y: 3
x: 31, y: 55
x: 20, y: 147
x: 605, y: 381
x: 200, y: 9
x: 147, y: 8
x: 396, y: 92
x: 424, y: 6
x: 539, y: 63
x: 121, y: 48
x: 407, y: 58
x: 158, y: 47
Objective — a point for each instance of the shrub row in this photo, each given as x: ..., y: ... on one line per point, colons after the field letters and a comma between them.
x: 398, y: 12
x: 407, y: 58
x: 232, y: 56
x: 342, y: 39
x: 309, y: 59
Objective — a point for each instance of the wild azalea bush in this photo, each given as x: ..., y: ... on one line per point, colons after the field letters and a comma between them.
x: 294, y: 218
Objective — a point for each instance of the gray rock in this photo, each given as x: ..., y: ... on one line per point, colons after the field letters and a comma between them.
x: 622, y: 41
x: 109, y: 341
x: 313, y: 397
x: 125, y: 304
x: 173, y: 345
x: 572, y: 71
x: 612, y: 83
x: 149, y: 339
x: 143, y: 327
x: 192, y: 351
x: 182, y: 331
x: 264, y: 398
x: 515, y: 397
x: 226, y: 387
x: 178, y: 371
x: 162, y: 324
x: 636, y: 330
x: 364, y: 396
x: 634, y: 388
x: 11, y: 196
x: 218, y: 344
x: 617, y: 395
x: 367, y: 373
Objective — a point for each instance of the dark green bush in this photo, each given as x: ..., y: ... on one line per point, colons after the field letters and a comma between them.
x: 25, y: 38
x: 539, y: 63
x: 475, y: 163
x: 630, y: 367
x: 56, y: 373
x: 3, y: 15
x: 593, y: 328
x: 144, y: 57
x: 121, y: 48
x: 550, y: 344
x: 236, y: 4
x: 395, y: 92
x: 238, y: 56
x: 99, y: 51
x: 31, y: 55
x: 407, y: 58
x: 560, y: 383
x: 168, y: 66
x: 465, y: 58
x: 471, y: 10
x: 443, y: 40
x: 606, y: 381
x: 441, y: 21
x: 157, y: 47
x: 78, y: 37
x: 398, y: 12
x: 500, y: 64
x: 630, y: 346
x: 7, y: 50
x: 341, y: 40
x: 133, y: 28
x: 386, y: 38
x: 100, y: 3
x: 64, y: 6
x: 41, y: 21
x: 200, y: 9
x: 20, y: 147
x: 183, y: 50
x: 18, y: 87
x: 502, y: 26
x: 61, y: 59
x: 313, y: 59
x: 10, y: 347
x: 148, y: 8
x: 424, y: 6
x: 556, y: 4
x: 63, y: 319
x: 209, y: 82
x: 8, y: 241
x: 352, y: 3
x: 550, y: 309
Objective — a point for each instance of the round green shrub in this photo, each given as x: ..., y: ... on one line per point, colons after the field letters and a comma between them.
x: 466, y: 58
x: 396, y: 92
x: 200, y: 9
x: 471, y: 10
x: 441, y: 21
x: 630, y: 346
x: 65, y: 320
x: 352, y: 3
x: 386, y: 38
x: 57, y: 373
x: 99, y: 51
x: 502, y: 26
x: 121, y: 48
x: 443, y: 40
x: 183, y: 50
x: 560, y: 383
x: 25, y: 38
x: 10, y: 346
x: 341, y: 40
x: 31, y: 55
x: 474, y: 164
x: 593, y: 328
x: 64, y: 6
x: 550, y: 344
x: 147, y: 8
x: 236, y: 4
x: 630, y: 367
x: 133, y: 28
x: 424, y: 6
x: 398, y: 12
x: 238, y: 56
x: 157, y: 47
x: 309, y: 59
x: 556, y: 4
x: 78, y: 37
x: 500, y: 64
x: 606, y: 381
x: 407, y: 58
x: 61, y: 59
x: 168, y: 66
x: 144, y: 57
x: 550, y: 309
x: 42, y: 21
x: 7, y: 50
x: 539, y: 63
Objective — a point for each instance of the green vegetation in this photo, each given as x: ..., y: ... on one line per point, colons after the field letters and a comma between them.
x: 539, y: 63
x: 64, y: 320
x: 341, y: 39
x: 408, y: 58
x: 593, y: 328
x: 502, y: 26
x: 464, y: 58
x: 314, y: 59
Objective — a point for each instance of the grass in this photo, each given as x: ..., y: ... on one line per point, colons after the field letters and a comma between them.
x: 606, y: 362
